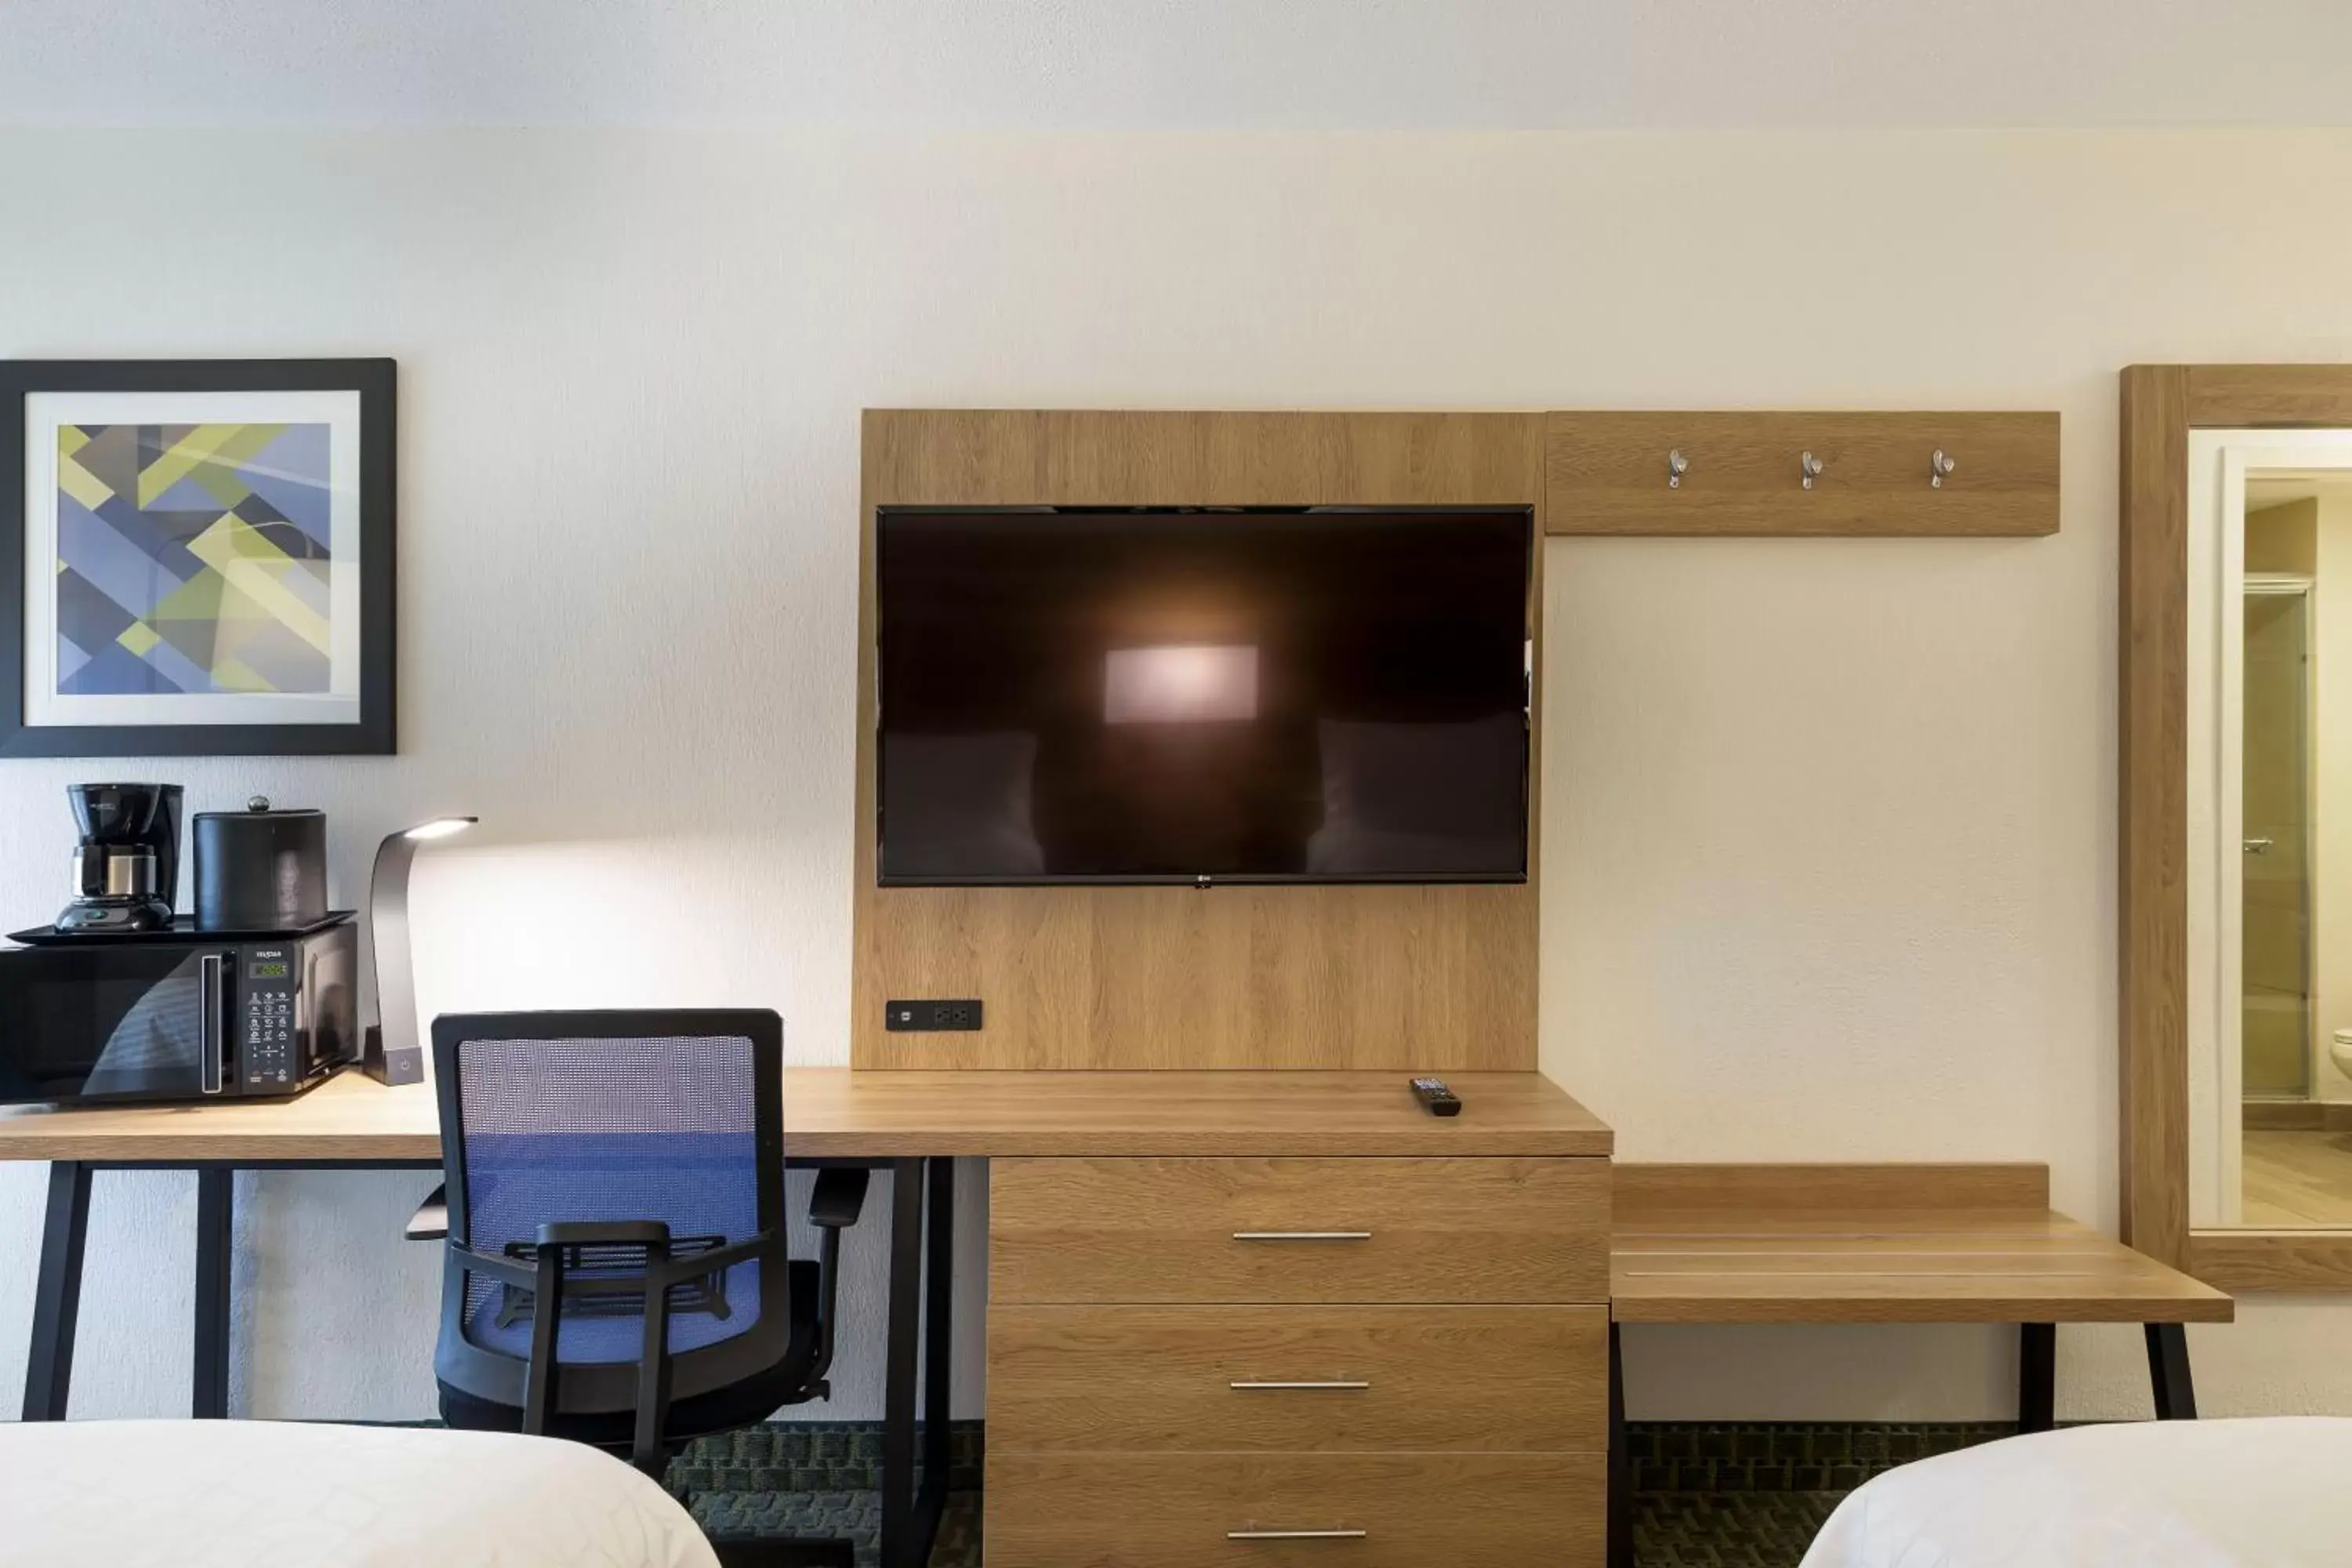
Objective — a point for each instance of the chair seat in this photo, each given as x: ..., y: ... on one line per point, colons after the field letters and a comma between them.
x: 743, y: 1403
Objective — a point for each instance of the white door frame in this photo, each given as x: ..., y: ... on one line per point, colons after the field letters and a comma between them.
x: 2218, y: 463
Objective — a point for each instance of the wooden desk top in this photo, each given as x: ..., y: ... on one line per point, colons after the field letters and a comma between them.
x: 349, y: 1118
x: 1876, y: 1243
x: 836, y: 1111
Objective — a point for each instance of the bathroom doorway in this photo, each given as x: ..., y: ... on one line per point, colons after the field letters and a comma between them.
x: 2276, y: 844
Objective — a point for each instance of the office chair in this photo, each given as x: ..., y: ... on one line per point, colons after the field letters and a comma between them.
x: 614, y: 1268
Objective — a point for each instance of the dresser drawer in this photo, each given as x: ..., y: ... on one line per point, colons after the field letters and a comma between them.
x: 1174, y: 1230
x: 1239, y: 1510
x: 1293, y: 1378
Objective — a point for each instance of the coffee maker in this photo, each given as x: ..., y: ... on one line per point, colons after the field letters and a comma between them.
x: 127, y: 866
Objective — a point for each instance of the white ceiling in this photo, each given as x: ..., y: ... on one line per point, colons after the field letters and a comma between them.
x: 1178, y: 64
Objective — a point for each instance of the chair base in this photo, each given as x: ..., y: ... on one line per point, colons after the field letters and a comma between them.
x: 767, y: 1552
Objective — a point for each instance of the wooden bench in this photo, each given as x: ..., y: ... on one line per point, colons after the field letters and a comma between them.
x: 1883, y: 1244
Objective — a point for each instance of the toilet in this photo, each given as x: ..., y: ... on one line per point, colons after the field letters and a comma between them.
x: 2339, y: 1051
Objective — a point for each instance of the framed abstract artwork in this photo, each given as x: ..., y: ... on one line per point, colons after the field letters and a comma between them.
x: 196, y: 558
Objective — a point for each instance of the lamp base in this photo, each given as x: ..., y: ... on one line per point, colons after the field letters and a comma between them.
x: 391, y: 1067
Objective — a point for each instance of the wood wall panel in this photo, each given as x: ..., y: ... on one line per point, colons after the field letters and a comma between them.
x: 2161, y: 404
x: 1607, y: 474
x: 1640, y: 1189
x: 2221, y: 396
x: 2152, y: 858
x: 1396, y: 978
x: 2272, y: 1260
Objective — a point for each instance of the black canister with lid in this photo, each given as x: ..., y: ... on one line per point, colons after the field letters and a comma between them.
x: 259, y: 869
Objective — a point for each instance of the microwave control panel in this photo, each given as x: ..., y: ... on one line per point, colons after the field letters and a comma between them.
x: 268, y: 1023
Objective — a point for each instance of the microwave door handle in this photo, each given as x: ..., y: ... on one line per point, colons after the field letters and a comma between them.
x: 209, y: 1003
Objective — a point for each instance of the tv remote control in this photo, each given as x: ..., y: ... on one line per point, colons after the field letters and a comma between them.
x: 1440, y: 1100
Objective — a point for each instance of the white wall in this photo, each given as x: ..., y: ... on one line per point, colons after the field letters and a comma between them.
x: 2331, y: 744
x: 1828, y: 835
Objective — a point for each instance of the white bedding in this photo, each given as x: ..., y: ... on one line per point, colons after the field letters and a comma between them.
x: 2265, y: 1493
x: 273, y: 1494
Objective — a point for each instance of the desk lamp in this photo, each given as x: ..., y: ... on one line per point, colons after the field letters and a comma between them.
x: 393, y: 1053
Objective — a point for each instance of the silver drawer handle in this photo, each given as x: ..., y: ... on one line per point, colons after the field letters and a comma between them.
x: 1302, y: 1236
x: 1340, y: 1387
x: 1295, y: 1534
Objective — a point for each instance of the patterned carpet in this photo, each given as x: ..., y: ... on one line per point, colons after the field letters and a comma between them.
x: 1727, y: 1530
x: 1707, y: 1494
x: 834, y: 1516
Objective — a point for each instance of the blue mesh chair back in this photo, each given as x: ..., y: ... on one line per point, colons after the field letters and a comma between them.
x: 606, y: 1118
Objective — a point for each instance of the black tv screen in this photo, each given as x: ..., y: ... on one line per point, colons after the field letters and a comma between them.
x: 1259, y: 695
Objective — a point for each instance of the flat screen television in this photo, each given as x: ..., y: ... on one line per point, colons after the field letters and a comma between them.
x: 1203, y: 695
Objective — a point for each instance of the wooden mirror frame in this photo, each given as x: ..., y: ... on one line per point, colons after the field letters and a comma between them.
x: 2161, y: 404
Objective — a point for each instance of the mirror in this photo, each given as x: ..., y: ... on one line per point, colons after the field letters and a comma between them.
x: 2271, y: 829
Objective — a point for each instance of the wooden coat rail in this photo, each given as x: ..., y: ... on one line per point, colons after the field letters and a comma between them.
x: 1800, y: 474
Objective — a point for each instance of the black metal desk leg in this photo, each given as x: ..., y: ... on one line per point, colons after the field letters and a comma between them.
x: 905, y: 1317
x: 937, y: 1336
x: 939, y: 1348
x: 216, y: 1223
x: 57, y: 1291
x: 2168, y: 1371
x: 2037, y: 1376
x: 1621, y: 1463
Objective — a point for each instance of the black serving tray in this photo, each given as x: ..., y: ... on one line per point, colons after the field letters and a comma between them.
x: 183, y: 930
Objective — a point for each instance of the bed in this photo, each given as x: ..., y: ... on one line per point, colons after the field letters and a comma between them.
x: 282, y: 1494
x: 2256, y: 1493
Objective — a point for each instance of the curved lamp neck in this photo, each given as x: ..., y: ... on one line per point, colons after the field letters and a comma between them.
x: 394, y: 1052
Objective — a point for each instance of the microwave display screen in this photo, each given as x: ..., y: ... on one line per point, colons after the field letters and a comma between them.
x: 274, y: 969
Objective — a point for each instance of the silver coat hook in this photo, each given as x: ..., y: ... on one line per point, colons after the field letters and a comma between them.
x: 1810, y: 466
x: 1938, y: 465
x: 1676, y: 466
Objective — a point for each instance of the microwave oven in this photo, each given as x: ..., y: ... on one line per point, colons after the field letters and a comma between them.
x: 177, y: 1017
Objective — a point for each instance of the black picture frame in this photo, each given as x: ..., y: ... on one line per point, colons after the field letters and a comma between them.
x: 375, y: 734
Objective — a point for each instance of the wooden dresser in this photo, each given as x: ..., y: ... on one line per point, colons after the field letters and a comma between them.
x: 1393, y: 1356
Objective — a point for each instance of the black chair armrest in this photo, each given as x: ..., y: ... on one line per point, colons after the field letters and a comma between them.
x: 839, y: 1198
x: 431, y: 1220
x: 834, y: 1206
x: 521, y: 1273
